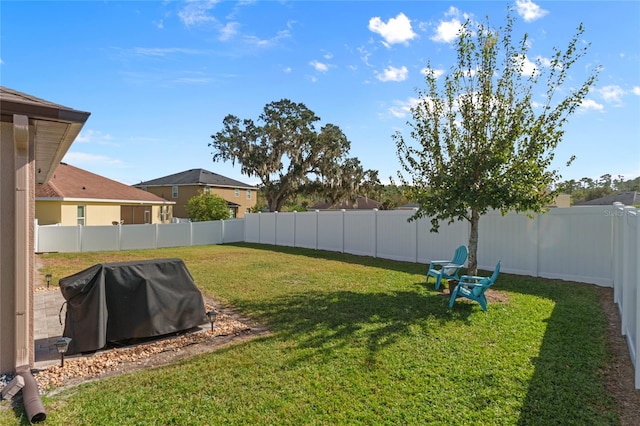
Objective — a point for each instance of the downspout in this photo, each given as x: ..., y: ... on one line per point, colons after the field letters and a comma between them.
x: 31, y: 396
x: 30, y: 393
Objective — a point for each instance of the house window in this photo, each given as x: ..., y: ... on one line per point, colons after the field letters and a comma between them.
x: 232, y: 213
x: 237, y: 192
x: 207, y: 190
x: 81, y: 215
x: 144, y: 188
x: 248, y: 194
x: 174, y: 192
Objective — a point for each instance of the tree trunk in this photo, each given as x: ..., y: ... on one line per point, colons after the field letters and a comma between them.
x: 472, y: 269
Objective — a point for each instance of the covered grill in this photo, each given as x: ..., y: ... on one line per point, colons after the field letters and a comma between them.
x: 115, y: 302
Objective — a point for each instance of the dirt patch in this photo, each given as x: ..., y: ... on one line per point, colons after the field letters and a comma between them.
x: 619, y: 373
x: 493, y: 296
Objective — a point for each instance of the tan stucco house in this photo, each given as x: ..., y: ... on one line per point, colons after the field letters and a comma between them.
x: 180, y: 187
x: 35, y: 136
x: 74, y: 196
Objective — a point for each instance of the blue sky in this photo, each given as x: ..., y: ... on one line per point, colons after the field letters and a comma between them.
x: 159, y: 77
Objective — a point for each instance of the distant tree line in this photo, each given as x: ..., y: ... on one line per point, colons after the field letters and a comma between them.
x: 587, y: 189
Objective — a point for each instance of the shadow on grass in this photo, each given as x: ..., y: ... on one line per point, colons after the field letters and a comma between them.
x: 566, y: 386
x: 323, y: 323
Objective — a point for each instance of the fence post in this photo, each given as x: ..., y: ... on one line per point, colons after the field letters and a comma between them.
x: 535, y: 263
x: 375, y: 233
x: 295, y: 217
x: 617, y: 236
x: 317, y: 226
x: 36, y: 231
x: 636, y: 256
x: 119, y: 236
x: 342, y: 211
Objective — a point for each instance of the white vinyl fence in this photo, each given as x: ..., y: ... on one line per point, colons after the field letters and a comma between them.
x: 132, y: 237
x: 570, y: 244
x: 595, y: 244
x: 626, y: 277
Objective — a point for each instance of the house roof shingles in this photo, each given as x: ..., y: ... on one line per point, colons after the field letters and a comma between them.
x: 626, y: 198
x: 195, y: 177
x: 361, y: 203
x: 69, y: 182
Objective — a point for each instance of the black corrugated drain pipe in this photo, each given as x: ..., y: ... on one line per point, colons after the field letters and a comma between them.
x: 31, y: 396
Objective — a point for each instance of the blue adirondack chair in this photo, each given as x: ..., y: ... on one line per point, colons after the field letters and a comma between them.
x: 474, y: 287
x: 448, y: 269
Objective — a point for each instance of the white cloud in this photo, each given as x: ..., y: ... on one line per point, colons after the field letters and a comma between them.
x: 437, y: 72
x: 268, y: 42
x: 401, y: 109
x: 84, y: 158
x: 94, y: 136
x: 163, y: 51
x: 364, y: 55
x: 287, y: 70
x: 159, y: 24
x: 228, y: 31
x: 396, y: 30
x: 636, y: 90
x: 393, y: 74
x: 529, y: 68
x: 319, y: 66
x: 529, y: 10
x: 195, y: 12
x: 590, y: 104
x: 447, y: 31
x: 612, y: 93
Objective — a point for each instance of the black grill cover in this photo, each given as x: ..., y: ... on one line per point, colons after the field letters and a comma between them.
x: 113, y: 302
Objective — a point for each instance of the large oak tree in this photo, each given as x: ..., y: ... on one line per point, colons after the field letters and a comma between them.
x: 290, y: 157
x: 487, y: 131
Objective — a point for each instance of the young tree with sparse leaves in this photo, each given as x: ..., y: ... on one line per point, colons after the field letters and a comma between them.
x: 484, y: 140
x: 290, y: 156
x: 206, y: 206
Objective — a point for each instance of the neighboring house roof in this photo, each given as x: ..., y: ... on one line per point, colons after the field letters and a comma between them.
x: 196, y: 177
x: 361, y: 203
x: 69, y: 182
x: 409, y: 206
x: 58, y: 126
x: 626, y: 198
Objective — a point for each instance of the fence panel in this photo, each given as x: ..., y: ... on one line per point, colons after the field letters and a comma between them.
x: 136, y: 237
x: 360, y: 232
x: 233, y: 230
x: 173, y: 235
x: 440, y: 245
x: 307, y: 230
x: 63, y: 239
x: 286, y: 229
x: 204, y: 233
x: 630, y: 281
x: 576, y: 244
x: 331, y: 231
x: 512, y: 239
x: 267, y: 228
x: 100, y: 238
x: 396, y: 238
x: 252, y: 227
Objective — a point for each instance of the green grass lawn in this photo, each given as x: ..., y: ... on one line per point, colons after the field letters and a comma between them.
x: 359, y: 341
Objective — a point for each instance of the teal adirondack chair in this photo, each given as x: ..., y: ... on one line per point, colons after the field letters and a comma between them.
x: 448, y: 269
x: 474, y: 287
